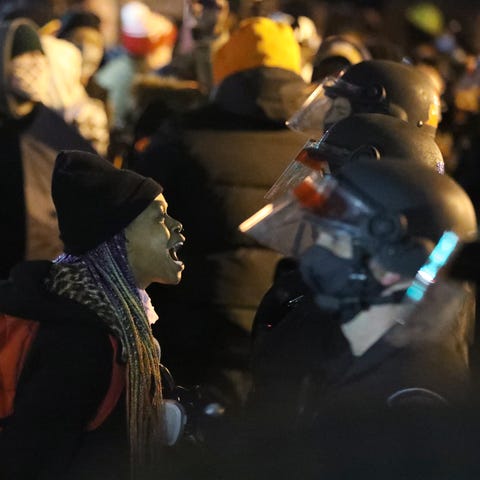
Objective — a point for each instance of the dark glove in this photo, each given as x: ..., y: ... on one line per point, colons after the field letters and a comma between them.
x: 287, y: 291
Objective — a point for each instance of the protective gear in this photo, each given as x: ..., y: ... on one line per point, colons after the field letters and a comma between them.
x: 359, y: 136
x: 372, y: 86
x: 430, y: 203
x: 382, y: 212
x: 343, y: 285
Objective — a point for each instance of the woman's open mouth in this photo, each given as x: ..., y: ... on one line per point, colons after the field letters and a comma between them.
x: 173, y: 252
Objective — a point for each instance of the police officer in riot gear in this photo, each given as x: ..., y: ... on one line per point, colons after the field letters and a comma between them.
x: 359, y: 136
x: 377, y: 136
x: 372, y: 86
x: 360, y: 237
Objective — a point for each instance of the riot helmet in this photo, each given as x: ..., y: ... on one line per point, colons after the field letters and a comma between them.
x: 372, y: 86
x: 424, y: 203
x: 389, y: 213
x: 366, y: 135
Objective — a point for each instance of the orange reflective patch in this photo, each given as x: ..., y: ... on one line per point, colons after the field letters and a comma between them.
x: 141, y: 144
x: 434, y: 114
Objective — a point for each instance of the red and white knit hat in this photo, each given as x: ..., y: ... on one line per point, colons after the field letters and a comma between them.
x: 144, y: 30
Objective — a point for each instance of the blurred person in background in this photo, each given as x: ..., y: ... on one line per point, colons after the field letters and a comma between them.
x: 148, y: 39
x: 65, y: 93
x: 31, y: 135
x: 307, y: 37
x: 83, y: 29
x: 108, y: 12
x: 205, y: 28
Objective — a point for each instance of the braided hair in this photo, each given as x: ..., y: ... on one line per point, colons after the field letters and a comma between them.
x: 113, y: 295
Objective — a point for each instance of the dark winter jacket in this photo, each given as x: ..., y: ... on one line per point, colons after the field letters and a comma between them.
x: 215, y: 174
x: 301, y: 357
x: 65, y: 378
x: 390, y: 413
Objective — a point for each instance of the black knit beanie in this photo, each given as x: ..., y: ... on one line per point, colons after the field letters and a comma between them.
x: 25, y: 39
x: 94, y: 200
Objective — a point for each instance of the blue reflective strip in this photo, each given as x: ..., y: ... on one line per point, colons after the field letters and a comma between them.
x: 427, y: 273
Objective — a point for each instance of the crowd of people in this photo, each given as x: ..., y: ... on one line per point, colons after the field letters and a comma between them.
x: 312, y: 312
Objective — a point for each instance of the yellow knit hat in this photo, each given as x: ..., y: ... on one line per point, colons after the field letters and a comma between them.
x: 258, y: 42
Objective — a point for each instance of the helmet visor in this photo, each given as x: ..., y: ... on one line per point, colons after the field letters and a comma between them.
x: 318, y: 205
x: 315, y: 156
x: 329, y: 103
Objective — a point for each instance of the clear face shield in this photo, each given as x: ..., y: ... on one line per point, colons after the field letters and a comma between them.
x: 319, y: 210
x: 323, y: 212
x: 314, y: 157
x: 328, y: 104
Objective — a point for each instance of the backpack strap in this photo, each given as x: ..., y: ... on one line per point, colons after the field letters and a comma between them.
x: 16, y: 337
x: 115, y: 389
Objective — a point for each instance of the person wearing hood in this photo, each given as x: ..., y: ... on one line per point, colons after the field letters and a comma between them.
x: 82, y: 28
x: 31, y: 135
x: 88, y: 402
x: 83, y: 101
x: 225, y: 155
x: 67, y: 95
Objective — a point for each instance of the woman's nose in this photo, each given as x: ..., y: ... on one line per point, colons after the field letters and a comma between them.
x: 177, y: 226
